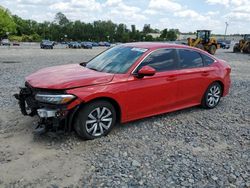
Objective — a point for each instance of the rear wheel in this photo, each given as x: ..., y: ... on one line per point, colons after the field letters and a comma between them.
x: 212, y: 96
x: 236, y: 48
x: 247, y: 48
x: 96, y: 119
x: 212, y: 49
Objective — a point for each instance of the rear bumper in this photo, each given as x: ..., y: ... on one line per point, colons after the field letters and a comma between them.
x: 227, y: 86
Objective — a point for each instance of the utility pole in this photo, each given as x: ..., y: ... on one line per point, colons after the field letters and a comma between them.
x: 226, y: 30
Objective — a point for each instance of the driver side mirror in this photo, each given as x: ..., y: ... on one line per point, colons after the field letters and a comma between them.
x: 146, y: 71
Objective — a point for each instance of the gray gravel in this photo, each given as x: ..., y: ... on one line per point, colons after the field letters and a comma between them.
x: 189, y: 148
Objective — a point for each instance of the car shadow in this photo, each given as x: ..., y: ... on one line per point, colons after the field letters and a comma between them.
x: 119, y: 129
x: 174, y: 114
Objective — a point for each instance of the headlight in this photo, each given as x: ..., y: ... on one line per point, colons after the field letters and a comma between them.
x: 54, y: 99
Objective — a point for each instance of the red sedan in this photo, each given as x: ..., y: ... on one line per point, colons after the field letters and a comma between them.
x: 124, y: 83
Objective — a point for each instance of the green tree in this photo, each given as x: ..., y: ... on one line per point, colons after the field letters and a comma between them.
x: 6, y: 22
x: 64, y: 29
x: 172, y: 35
x: 120, y: 31
x: 61, y: 19
x: 25, y: 27
x: 146, y: 29
x: 149, y: 38
x: 133, y: 33
x: 164, y: 34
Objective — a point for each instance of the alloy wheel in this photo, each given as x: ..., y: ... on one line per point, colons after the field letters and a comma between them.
x: 213, y: 96
x: 99, y: 121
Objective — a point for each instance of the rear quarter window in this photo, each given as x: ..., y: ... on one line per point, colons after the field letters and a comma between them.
x: 207, y: 60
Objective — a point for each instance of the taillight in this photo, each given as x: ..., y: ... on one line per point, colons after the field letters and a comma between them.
x: 225, y: 64
x: 228, y: 70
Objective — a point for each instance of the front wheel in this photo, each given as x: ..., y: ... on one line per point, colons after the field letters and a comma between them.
x: 95, y: 119
x: 212, y: 96
x: 236, y: 48
x: 200, y: 46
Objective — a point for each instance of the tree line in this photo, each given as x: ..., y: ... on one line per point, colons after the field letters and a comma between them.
x: 62, y: 29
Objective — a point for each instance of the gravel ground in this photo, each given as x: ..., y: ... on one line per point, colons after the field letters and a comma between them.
x: 189, y: 148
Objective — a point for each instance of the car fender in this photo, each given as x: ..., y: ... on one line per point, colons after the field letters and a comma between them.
x: 90, y: 93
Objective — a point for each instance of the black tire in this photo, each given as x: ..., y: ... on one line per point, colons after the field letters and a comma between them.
x: 247, y: 48
x: 200, y: 46
x: 89, y: 112
x: 236, y: 48
x: 212, y: 49
x: 213, y: 92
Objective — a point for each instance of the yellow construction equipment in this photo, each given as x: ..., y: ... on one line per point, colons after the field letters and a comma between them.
x: 204, y: 41
x: 243, y: 45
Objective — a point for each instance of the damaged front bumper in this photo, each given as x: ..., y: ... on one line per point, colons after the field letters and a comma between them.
x: 52, y: 117
x: 46, y: 113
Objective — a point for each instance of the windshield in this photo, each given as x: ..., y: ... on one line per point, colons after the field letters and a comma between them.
x: 247, y: 37
x: 201, y: 34
x: 116, y: 60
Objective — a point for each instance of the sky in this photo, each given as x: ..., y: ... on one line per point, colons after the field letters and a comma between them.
x: 185, y: 15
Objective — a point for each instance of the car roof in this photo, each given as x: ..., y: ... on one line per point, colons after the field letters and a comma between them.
x: 155, y: 45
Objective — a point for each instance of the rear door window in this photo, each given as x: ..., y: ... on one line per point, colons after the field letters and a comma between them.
x: 189, y: 59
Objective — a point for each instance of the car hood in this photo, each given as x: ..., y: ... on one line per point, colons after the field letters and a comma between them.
x: 66, y: 77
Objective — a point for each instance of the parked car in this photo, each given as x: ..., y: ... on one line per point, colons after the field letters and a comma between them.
x: 64, y: 43
x: 70, y: 44
x: 94, y: 44
x: 5, y: 42
x: 74, y: 45
x: 15, y: 43
x: 46, y: 44
x: 124, y: 83
x: 86, y: 45
x: 107, y: 44
x: 224, y: 45
x: 101, y: 43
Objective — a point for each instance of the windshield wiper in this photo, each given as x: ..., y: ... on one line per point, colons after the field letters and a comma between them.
x: 83, y: 64
x: 92, y: 68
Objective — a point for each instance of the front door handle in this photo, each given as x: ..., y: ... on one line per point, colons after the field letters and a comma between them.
x: 171, y: 78
x: 205, y: 73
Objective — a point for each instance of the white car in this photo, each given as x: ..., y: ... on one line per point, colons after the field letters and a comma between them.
x: 5, y: 42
